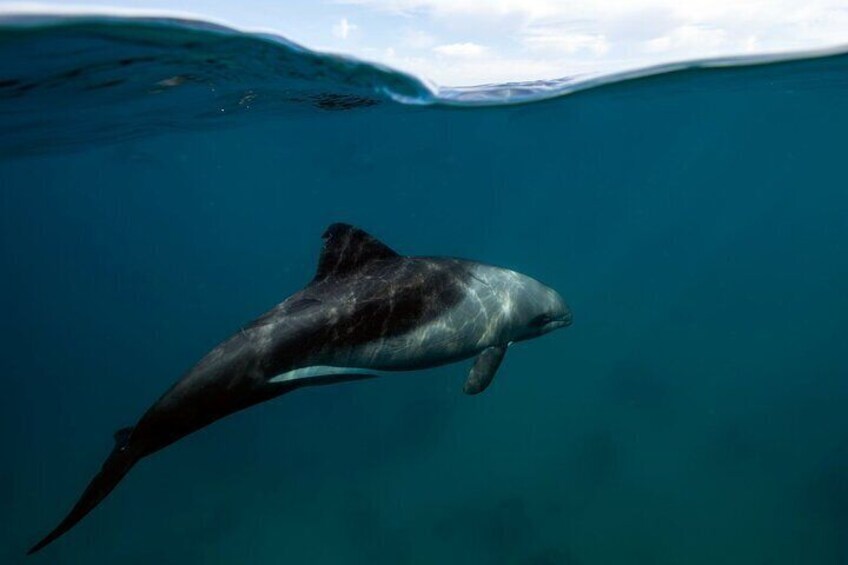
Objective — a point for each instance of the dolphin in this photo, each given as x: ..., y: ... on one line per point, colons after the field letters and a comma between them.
x: 367, y: 310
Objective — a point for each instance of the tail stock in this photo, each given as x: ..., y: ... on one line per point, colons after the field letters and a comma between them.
x: 125, y: 454
x: 116, y: 466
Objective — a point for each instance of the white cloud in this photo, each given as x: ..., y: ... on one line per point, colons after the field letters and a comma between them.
x: 418, y: 39
x: 569, y: 43
x: 463, y: 50
x: 343, y: 28
x: 487, y: 8
x: 543, y: 39
x: 690, y: 38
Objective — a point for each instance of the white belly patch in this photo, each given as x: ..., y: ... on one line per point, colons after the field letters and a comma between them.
x: 319, y: 371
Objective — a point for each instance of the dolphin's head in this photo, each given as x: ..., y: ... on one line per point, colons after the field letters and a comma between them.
x: 544, y: 311
x: 528, y: 308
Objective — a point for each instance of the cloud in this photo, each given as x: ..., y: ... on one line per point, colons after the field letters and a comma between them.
x: 343, y: 28
x: 463, y: 50
x: 569, y: 43
x: 486, y: 8
x: 418, y: 39
x: 545, y: 39
x: 690, y: 38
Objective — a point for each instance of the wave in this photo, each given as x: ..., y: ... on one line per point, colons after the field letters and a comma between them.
x: 67, y: 79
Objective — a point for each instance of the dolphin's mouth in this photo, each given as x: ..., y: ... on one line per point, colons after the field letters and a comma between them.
x: 561, y: 322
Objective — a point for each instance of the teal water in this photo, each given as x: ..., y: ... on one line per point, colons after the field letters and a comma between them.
x: 162, y: 183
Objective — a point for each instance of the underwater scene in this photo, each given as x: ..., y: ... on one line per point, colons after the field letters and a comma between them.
x: 163, y: 183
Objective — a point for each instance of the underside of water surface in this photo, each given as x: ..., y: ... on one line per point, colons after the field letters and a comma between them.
x: 163, y: 182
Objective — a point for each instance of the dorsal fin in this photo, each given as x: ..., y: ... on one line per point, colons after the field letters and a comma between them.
x: 346, y: 249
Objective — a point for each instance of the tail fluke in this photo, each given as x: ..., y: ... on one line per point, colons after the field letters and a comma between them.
x: 116, y: 466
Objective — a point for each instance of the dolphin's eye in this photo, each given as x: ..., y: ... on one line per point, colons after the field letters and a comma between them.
x: 540, y: 321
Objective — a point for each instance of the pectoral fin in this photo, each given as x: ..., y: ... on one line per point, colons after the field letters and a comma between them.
x: 484, y: 369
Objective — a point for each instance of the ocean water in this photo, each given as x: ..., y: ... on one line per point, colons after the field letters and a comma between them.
x: 164, y: 182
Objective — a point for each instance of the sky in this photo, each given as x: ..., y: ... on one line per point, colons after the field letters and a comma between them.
x: 468, y: 42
